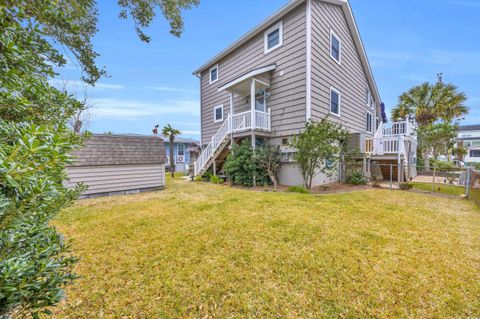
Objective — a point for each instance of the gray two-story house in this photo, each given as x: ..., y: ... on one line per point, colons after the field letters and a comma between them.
x: 305, y: 62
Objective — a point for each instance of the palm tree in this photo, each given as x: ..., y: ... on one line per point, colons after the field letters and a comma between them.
x: 428, y: 103
x: 434, y: 107
x: 171, y: 133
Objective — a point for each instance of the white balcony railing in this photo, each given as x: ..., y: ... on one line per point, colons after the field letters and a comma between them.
x: 390, y: 139
x: 233, y: 124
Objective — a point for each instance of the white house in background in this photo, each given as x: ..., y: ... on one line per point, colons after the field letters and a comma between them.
x: 305, y: 62
x: 469, y: 137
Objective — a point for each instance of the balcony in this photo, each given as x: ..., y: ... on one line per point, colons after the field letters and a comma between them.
x: 390, y: 139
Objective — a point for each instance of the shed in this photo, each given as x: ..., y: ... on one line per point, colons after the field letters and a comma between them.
x: 118, y: 164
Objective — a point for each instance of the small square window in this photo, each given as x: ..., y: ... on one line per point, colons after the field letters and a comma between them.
x: 334, y: 102
x: 335, y: 47
x: 214, y: 74
x: 274, y: 37
x: 284, y: 141
x: 218, y: 113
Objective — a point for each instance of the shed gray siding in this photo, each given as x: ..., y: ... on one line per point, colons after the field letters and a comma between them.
x: 349, y: 77
x: 117, y: 178
x: 113, y: 164
x: 288, y: 97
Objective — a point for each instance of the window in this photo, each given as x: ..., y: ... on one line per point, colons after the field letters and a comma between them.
x: 285, y: 141
x: 218, y: 113
x: 369, y: 99
x: 260, y: 103
x: 274, y: 37
x: 181, y: 150
x: 369, y: 122
x: 214, y: 74
x: 335, y: 47
x: 475, y: 153
x: 334, y: 102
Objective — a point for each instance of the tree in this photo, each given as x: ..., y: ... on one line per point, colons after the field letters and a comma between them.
x: 435, y: 108
x: 268, y: 158
x: 428, y: 103
x: 36, y: 143
x: 171, y: 133
x: 318, y: 149
x: 437, y: 139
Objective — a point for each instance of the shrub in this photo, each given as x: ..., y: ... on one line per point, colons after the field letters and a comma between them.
x: 406, y: 186
x: 320, y: 143
x: 198, y: 178
x: 216, y: 180
x: 356, y: 178
x: 298, y: 189
x: 241, y: 165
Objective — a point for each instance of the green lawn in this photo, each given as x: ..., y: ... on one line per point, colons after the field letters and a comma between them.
x: 199, y: 250
x: 440, y: 188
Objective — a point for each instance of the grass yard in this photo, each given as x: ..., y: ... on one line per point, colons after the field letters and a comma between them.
x: 440, y: 188
x: 199, y: 250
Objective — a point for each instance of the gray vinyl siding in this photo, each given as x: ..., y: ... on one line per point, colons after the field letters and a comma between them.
x: 116, y: 178
x: 349, y: 77
x: 288, y: 99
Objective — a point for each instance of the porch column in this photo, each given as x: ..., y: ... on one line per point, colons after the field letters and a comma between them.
x: 230, y: 118
x: 252, y: 114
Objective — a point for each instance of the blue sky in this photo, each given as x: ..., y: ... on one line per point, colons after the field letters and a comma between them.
x: 408, y: 42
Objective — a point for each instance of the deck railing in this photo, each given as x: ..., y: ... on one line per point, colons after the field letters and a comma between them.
x: 390, y: 138
x: 233, y: 124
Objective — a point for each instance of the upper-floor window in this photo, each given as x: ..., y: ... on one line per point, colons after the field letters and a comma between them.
x: 335, y: 101
x: 335, y: 47
x: 369, y: 122
x: 213, y: 74
x: 369, y: 99
x: 273, y: 37
x: 218, y: 113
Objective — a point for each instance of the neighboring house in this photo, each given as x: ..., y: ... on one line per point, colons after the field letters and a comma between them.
x: 180, y: 151
x: 305, y: 62
x: 469, y: 137
x: 118, y: 164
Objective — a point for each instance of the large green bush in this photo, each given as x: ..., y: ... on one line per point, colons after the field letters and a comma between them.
x: 241, y: 165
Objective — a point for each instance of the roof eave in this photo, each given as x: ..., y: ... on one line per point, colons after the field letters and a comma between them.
x: 250, y: 34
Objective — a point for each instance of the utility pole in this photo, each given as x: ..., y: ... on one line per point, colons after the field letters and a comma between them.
x: 440, y: 77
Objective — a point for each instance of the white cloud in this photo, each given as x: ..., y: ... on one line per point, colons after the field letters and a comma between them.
x: 190, y: 132
x: 76, y: 85
x: 130, y: 109
x: 173, y: 89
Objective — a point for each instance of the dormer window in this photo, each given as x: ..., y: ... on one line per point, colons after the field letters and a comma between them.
x: 273, y: 37
x: 335, y: 47
x: 214, y: 74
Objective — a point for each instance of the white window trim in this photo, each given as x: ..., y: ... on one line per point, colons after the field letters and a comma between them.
x: 178, y: 148
x: 372, y: 123
x: 333, y: 34
x: 370, y: 102
x: 210, y: 74
x: 339, y: 102
x: 215, y: 113
x: 270, y: 30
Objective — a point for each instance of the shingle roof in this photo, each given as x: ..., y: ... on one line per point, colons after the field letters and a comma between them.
x: 466, y: 128
x: 106, y: 149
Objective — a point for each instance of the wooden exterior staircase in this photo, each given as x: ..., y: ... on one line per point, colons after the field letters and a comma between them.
x: 235, y: 123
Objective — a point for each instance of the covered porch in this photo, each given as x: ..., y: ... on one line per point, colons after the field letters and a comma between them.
x: 253, y: 86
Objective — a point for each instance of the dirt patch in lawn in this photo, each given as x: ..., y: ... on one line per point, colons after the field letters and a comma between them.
x: 333, y: 188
